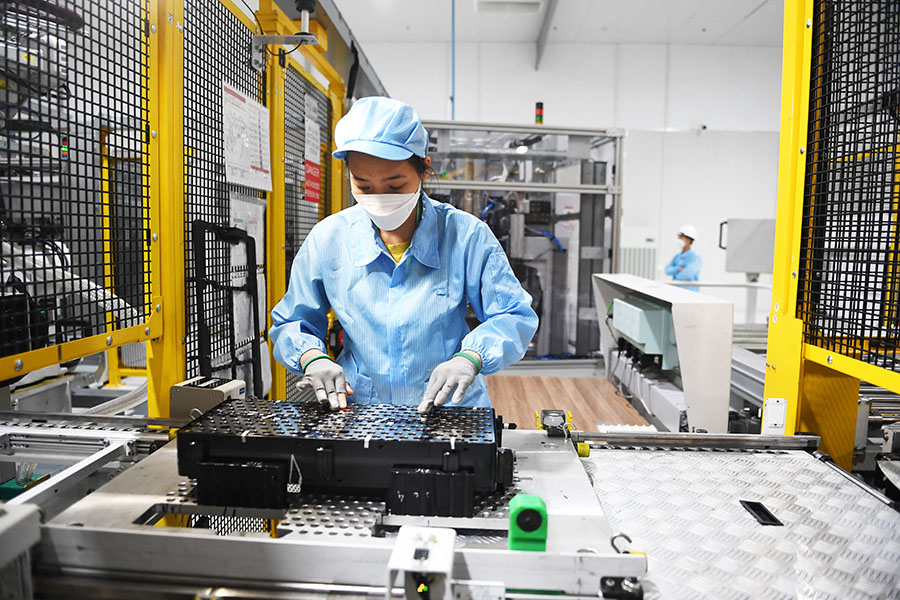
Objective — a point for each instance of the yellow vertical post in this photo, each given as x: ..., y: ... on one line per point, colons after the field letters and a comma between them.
x: 274, y: 21
x: 166, y: 354
x: 785, y: 345
x: 336, y: 93
x: 890, y: 310
x: 275, y: 212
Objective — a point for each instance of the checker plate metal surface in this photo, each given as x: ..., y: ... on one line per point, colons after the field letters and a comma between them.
x: 380, y: 422
x: 682, y: 509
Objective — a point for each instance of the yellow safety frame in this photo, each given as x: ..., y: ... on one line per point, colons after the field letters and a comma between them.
x: 821, y: 386
x: 274, y: 21
x: 166, y: 353
x: 26, y: 362
x: 165, y: 329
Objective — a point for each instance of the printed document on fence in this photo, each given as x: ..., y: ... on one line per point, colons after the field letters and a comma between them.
x: 245, y: 125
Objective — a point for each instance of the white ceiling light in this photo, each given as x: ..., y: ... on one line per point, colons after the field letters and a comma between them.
x: 520, y: 6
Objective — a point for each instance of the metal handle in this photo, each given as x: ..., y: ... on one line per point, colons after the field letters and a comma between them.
x: 721, y: 231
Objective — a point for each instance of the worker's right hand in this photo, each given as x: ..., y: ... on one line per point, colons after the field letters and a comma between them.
x: 328, y: 381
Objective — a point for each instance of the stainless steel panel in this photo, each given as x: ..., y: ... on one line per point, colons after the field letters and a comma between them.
x: 681, y: 508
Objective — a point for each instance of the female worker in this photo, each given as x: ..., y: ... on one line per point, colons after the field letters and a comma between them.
x: 399, y: 270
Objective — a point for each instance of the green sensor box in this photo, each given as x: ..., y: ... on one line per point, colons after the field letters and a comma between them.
x: 527, y: 523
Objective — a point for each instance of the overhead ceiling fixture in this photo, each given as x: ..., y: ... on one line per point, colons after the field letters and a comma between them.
x: 520, y: 6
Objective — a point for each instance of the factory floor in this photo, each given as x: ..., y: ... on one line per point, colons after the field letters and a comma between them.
x: 592, y: 401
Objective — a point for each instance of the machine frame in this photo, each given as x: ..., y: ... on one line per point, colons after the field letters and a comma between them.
x: 819, y: 386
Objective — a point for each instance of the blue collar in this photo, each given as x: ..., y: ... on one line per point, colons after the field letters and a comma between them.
x: 424, y: 247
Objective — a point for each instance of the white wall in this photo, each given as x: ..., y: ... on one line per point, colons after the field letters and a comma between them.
x: 702, y: 122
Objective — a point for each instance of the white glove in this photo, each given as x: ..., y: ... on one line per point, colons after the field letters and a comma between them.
x: 326, y: 378
x: 457, y: 373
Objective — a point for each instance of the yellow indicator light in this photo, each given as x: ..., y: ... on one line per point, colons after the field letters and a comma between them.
x: 422, y: 588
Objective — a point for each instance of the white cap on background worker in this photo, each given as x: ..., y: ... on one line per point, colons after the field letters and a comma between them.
x: 688, y: 231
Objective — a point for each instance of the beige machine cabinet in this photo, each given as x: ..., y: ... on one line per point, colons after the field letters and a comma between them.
x: 703, y: 328
x: 191, y: 398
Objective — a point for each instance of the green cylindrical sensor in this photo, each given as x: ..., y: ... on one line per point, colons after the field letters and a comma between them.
x: 527, y: 523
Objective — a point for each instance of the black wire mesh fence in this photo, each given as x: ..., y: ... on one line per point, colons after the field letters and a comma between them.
x: 216, y: 51
x: 302, y: 102
x: 849, y: 276
x: 74, y: 188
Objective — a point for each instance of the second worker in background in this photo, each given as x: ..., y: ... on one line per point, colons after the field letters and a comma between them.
x: 685, y: 265
x: 399, y: 270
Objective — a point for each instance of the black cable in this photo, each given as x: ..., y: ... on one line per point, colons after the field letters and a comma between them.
x: 263, y: 31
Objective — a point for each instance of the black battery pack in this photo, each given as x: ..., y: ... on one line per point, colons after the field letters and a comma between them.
x: 433, y: 465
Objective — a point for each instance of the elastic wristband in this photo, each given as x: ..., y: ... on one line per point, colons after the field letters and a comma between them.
x: 472, y: 358
x: 312, y: 360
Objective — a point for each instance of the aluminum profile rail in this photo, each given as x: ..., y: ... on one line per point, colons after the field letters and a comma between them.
x: 703, y: 441
x: 16, y: 416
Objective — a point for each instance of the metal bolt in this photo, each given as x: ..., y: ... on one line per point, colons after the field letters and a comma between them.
x: 153, y: 28
x: 158, y: 307
x: 794, y: 274
x: 109, y: 341
x: 19, y: 364
x: 802, y: 149
x: 830, y: 359
x: 776, y: 306
x: 773, y: 367
x: 774, y: 318
x: 146, y: 331
x: 155, y: 237
x: 808, y: 23
x: 153, y: 133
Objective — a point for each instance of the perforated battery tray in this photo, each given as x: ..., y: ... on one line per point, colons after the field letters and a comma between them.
x: 248, y: 452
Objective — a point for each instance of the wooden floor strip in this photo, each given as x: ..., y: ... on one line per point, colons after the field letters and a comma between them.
x: 589, y: 399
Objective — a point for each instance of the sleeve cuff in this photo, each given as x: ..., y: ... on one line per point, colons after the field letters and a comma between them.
x: 488, y: 364
x: 288, y: 351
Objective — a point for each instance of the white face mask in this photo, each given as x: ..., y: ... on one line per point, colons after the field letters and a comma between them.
x: 388, y: 211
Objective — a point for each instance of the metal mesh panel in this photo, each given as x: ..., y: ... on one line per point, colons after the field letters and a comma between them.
x: 301, y: 215
x: 74, y: 211
x: 848, y: 277
x: 228, y: 525
x: 216, y: 49
x: 128, y: 245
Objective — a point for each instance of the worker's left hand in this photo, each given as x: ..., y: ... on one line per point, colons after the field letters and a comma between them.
x: 458, y: 373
